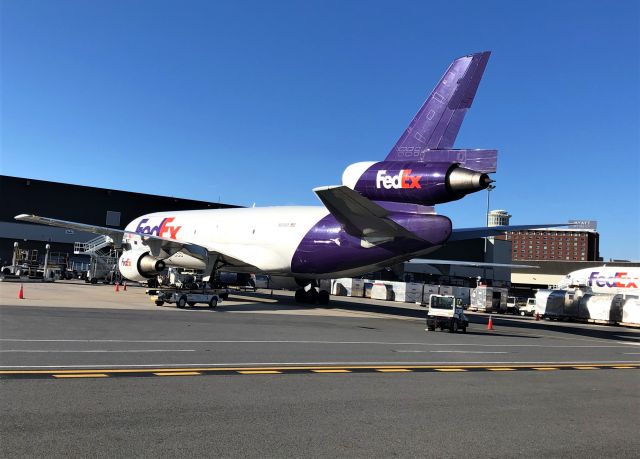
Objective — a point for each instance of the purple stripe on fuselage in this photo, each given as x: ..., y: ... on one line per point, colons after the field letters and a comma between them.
x: 327, y: 248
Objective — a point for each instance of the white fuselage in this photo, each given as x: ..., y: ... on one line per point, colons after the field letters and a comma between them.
x: 606, y: 279
x: 264, y: 238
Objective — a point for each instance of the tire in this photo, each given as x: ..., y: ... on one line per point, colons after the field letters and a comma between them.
x: 453, y: 327
x: 94, y: 280
x: 300, y: 295
x: 522, y: 313
x: 312, y: 296
x: 213, y: 303
x: 159, y: 303
x: 182, y: 302
x: 323, y: 297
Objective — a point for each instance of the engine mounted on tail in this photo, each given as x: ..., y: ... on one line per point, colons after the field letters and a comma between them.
x: 414, y: 182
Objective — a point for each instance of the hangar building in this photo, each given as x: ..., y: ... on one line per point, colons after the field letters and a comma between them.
x: 85, y: 204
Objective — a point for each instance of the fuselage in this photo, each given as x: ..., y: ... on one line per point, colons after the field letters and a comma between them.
x: 299, y: 241
x: 606, y: 279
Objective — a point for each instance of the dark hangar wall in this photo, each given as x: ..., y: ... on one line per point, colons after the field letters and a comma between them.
x: 84, y: 204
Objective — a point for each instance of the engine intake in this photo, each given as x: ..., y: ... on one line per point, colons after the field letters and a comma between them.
x: 139, y: 265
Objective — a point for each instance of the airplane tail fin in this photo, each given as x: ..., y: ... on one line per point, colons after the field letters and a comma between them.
x: 437, y: 123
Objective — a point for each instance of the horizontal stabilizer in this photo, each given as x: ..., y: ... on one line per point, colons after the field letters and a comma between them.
x: 359, y: 216
x: 460, y: 234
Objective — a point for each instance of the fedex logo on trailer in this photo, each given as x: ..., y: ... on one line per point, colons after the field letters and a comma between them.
x: 616, y: 280
x: 403, y: 179
x: 164, y: 229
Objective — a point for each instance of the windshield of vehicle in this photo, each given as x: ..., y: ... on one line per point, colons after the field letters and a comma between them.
x: 440, y: 302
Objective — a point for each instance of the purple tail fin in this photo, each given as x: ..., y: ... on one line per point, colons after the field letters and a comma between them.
x: 437, y: 123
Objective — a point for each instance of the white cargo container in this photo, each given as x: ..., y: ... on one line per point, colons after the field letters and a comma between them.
x: 489, y: 299
x: 399, y: 290
x: 427, y: 291
x: 462, y: 294
x: 413, y: 292
x: 347, y: 287
x: 380, y: 291
x: 446, y: 290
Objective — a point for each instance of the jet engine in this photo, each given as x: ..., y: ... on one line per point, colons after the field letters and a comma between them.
x: 139, y: 265
x: 413, y: 182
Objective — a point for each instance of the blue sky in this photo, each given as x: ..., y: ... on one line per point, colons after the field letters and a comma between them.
x: 260, y: 102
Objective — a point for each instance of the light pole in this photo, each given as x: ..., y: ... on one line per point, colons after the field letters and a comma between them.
x: 46, y: 262
x: 489, y: 189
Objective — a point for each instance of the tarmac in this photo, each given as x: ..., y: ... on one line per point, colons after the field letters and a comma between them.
x: 88, y: 371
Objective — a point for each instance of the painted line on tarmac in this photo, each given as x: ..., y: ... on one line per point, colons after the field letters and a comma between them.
x: 228, y: 371
x: 394, y: 364
x: 54, y: 351
x: 381, y: 343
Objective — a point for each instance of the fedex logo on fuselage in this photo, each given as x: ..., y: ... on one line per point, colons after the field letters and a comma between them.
x: 616, y: 280
x: 403, y: 179
x: 164, y: 229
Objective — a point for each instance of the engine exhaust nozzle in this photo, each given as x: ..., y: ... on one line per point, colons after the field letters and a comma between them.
x: 462, y: 180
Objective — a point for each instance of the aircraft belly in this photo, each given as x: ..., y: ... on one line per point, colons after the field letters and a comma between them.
x: 328, y: 249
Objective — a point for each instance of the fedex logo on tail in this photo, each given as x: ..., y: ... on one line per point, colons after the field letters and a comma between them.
x: 619, y: 280
x: 164, y: 229
x: 403, y: 179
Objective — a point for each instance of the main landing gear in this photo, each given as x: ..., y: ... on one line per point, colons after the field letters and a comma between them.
x: 312, y: 295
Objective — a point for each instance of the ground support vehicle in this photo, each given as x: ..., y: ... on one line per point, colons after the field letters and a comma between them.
x: 443, y: 313
x: 529, y: 308
x: 184, y: 298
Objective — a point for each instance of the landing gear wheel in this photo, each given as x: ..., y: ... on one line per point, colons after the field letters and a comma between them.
x: 213, y: 303
x: 453, y: 328
x: 312, y: 296
x: 300, y: 295
x: 182, y: 302
x: 323, y: 297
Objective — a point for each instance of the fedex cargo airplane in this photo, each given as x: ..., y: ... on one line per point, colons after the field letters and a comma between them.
x: 612, y: 280
x: 382, y: 214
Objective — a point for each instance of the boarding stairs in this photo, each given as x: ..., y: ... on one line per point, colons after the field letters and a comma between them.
x: 104, y: 257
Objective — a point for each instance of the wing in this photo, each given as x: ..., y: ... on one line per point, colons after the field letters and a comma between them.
x: 460, y: 234
x: 158, y: 246
x: 360, y: 216
x: 474, y: 264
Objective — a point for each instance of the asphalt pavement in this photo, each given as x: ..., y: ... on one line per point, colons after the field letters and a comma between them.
x: 266, y: 378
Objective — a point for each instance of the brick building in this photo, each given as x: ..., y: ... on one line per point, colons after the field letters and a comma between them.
x: 555, y: 244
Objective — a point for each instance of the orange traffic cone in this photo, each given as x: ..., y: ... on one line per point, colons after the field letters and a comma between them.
x: 117, y: 287
x: 490, y: 324
x: 124, y: 286
x: 21, y: 293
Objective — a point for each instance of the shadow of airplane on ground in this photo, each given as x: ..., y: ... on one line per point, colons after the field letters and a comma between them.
x: 592, y: 331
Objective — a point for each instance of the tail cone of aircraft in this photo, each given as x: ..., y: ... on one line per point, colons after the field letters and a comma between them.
x: 463, y: 180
